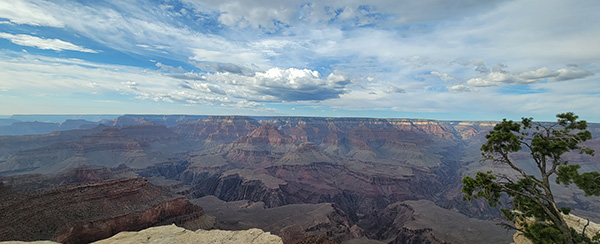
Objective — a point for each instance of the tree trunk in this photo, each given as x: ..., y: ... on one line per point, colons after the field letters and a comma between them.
x: 561, y: 224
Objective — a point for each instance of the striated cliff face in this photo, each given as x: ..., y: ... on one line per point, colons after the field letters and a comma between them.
x: 91, y: 211
x: 215, y: 130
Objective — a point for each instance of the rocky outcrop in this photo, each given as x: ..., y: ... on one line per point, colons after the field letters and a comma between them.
x: 579, y: 224
x: 172, y: 234
x: 575, y: 222
x: 92, y: 211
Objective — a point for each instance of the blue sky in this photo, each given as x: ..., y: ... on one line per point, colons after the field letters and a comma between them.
x: 435, y: 59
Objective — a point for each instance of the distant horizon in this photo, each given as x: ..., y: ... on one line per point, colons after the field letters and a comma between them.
x: 112, y: 116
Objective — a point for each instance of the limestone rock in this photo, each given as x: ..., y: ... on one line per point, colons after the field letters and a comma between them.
x: 574, y: 221
x: 173, y: 234
x: 579, y: 223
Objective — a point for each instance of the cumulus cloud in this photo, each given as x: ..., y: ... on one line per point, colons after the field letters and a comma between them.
x: 276, y: 85
x: 46, y: 44
x: 295, y: 85
x: 338, y: 79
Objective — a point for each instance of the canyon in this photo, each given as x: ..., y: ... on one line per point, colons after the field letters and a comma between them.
x: 348, y: 180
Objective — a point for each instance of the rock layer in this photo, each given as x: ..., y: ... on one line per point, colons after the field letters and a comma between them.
x: 92, y: 211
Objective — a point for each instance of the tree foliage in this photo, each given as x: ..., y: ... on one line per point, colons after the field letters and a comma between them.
x: 534, y: 210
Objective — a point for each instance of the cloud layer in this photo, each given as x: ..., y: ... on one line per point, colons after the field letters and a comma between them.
x: 396, y: 57
x: 45, y: 44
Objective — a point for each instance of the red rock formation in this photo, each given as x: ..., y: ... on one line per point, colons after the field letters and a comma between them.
x: 265, y: 134
x: 92, y: 211
x: 218, y: 129
x: 176, y: 211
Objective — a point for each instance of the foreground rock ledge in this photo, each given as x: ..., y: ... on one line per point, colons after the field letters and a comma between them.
x: 172, y: 234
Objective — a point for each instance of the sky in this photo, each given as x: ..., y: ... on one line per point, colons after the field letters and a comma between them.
x: 430, y: 59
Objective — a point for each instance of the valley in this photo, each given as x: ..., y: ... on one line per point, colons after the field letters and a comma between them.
x: 350, y: 180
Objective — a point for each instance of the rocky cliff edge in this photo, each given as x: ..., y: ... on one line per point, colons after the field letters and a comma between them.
x: 173, y: 234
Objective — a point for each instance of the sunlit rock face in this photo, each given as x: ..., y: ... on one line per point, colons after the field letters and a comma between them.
x: 575, y: 222
x: 173, y: 234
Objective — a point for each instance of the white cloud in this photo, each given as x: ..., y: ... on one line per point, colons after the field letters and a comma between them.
x: 401, y: 46
x: 265, y: 13
x: 443, y: 76
x: 28, y: 12
x: 500, y: 77
x: 276, y: 85
x: 569, y: 74
x: 54, y: 75
x: 60, y: 76
x: 244, y: 13
x: 46, y: 44
x: 492, y: 79
x: 124, y: 26
x: 481, y: 82
x: 538, y: 74
x: 459, y: 88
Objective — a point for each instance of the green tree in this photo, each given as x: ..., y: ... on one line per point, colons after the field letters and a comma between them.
x: 534, y: 210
